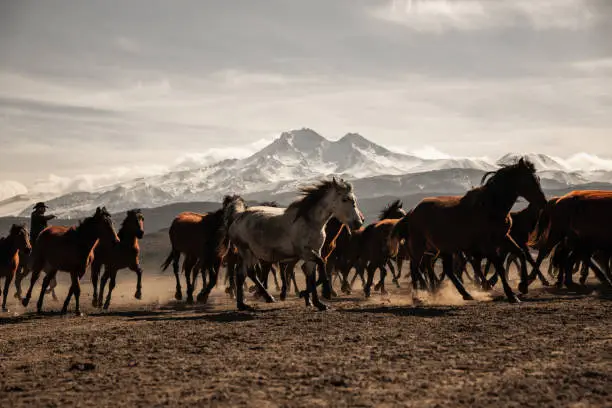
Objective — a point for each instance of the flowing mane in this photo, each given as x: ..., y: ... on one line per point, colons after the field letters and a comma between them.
x: 314, y: 193
x: 392, y: 207
x: 496, y: 182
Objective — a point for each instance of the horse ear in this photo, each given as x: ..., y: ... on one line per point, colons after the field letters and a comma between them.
x: 334, y: 181
x: 522, y: 161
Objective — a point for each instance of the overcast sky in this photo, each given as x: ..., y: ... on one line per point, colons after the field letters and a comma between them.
x: 89, y: 85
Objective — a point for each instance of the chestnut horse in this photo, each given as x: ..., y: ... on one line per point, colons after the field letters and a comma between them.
x: 580, y: 222
x: 118, y: 256
x: 477, y: 222
x: 69, y: 249
x: 198, y: 237
x: 16, y: 242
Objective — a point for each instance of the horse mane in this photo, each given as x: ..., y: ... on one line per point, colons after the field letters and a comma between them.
x: 391, y: 207
x: 490, y: 176
x: 494, y: 180
x: 311, y: 195
x: 100, y: 212
x: 130, y: 214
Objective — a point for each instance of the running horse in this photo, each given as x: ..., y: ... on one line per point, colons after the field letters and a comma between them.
x: 297, y: 232
x: 578, y: 224
x: 477, y: 222
x: 69, y: 249
x: 11, y: 246
x: 198, y: 237
x: 118, y: 256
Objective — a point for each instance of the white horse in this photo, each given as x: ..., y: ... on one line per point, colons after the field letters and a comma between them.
x: 274, y: 234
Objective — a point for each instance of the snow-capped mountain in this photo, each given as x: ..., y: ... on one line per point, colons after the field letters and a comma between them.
x: 300, y: 156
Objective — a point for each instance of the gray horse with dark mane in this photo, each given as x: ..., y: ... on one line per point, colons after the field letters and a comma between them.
x: 272, y: 234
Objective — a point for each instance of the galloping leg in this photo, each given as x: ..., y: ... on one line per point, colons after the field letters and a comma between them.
x: 136, y: 268
x: 213, y: 272
x: 21, y: 273
x: 7, y: 283
x: 188, y: 265
x: 259, y: 286
x: 75, y: 289
x: 241, y: 273
x: 95, y: 274
x: 498, y: 263
x: 103, y: 281
x: 283, y: 276
x: 371, y: 268
x: 309, y: 269
x: 111, y: 286
x: 33, y: 279
x: 178, y: 295
x: 447, y: 264
x: 43, y: 290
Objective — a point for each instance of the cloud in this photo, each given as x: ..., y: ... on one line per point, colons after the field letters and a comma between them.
x: 438, y: 16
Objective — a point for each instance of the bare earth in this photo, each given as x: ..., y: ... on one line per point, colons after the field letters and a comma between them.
x: 552, y: 350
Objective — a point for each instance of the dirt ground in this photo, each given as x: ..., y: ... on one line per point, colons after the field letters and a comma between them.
x: 552, y: 350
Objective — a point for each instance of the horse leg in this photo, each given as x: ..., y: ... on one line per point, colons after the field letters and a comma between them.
x: 371, y: 268
x: 489, y: 282
x: 43, y: 290
x: 178, y: 295
x: 33, y: 279
x: 103, y: 281
x: 400, y: 263
x: 330, y: 268
x: 310, y: 269
x: 476, y: 262
x: 111, y: 286
x: 75, y: 289
x: 395, y: 277
x: 383, y: 275
x: 447, y: 264
x: 7, y: 283
x: 188, y: 265
x: 498, y: 263
x: 241, y: 274
x: 21, y: 273
x: 95, y: 274
x: 283, y: 276
x: 213, y: 272
x: 136, y: 268
x: 260, y: 287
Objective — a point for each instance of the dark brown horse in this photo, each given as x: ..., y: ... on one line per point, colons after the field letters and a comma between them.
x: 579, y: 223
x: 118, y: 256
x: 16, y: 242
x: 477, y: 222
x: 197, y: 237
x: 69, y: 249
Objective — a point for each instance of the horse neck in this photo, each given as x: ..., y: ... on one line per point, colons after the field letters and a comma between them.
x: 9, y: 245
x: 86, y: 235
x: 321, y: 214
x: 499, y: 198
x: 126, y: 237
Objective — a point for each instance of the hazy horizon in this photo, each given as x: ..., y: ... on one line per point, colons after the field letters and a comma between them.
x: 131, y: 88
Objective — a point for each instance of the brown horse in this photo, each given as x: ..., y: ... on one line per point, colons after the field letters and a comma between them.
x: 198, y: 237
x: 477, y: 222
x: 579, y: 221
x: 69, y: 249
x: 17, y: 241
x: 118, y: 256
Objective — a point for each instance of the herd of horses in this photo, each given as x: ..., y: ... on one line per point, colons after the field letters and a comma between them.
x: 324, y: 229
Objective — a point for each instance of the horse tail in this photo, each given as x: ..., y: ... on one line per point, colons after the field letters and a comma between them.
x: 540, y: 234
x: 232, y: 206
x: 168, y: 260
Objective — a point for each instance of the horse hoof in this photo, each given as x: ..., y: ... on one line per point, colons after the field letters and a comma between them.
x: 17, y: 296
x: 138, y: 295
x: 513, y: 299
x: 39, y: 312
x: 271, y: 300
x: 283, y: 297
x: 545, y: 282
x: 25, y: 302
x: 78, y: 313
x: 367, y: 293
x: 322, y: 307
x: 178, y: 296
x: 202, y: 298
x: 4, y: 310
x: 377, y: 287
x: 63, y: 312
x: 468, y: 297
x: 303, y: 293
x: 523, y: 288
x: 190, y: 301
x: 245, y: 308
x: 94, y: 302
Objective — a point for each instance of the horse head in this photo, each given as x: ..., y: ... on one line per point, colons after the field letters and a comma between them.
x: 393, y: 211
x: 21, y: 237
x: 344, y: 204
x: 528, y: 183
x: 104, y: 223
x: 134, y: 222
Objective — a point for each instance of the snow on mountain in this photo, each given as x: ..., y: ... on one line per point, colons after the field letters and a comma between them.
x: 302, y: 156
